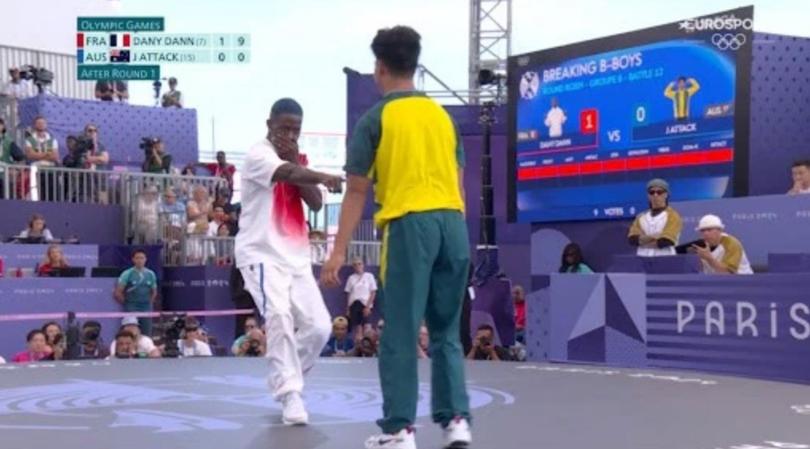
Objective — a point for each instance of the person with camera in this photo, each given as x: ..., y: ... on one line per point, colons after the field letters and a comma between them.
x: 141, y: 345
x: 137, y: 289
x: 54, y: 339
x: 17, y: 87
x: 484, y: 347
x: 156, y: 159
x: 254, y: 344
x: 192, y: 345
x: 91, y: 345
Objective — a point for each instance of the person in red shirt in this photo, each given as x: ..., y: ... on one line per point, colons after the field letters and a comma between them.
x: 54, y: 260
x: 519, y: 298
x: 222, y: 169
x: 36, y: 348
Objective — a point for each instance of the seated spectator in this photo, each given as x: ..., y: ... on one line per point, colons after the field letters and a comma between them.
x: 656, y: 231
x: 367, y: 348
x: 573, y: 261
x: 156, y: 159
x: 17, y: 87
x: 222, y: 169
x: 340, y: 344
x: 92, y: 345
x: 143, y: 345
x: 801, y: 177
x: 254, y: 344
x: 719, y: 253
x: 223, y: 199
x: 173, y: 98
x: 224, y: 230
x: 146, y: 216
x: 484, y: 347
x: 192, y: 344
x: 54, y: 261
x: 251, y: 323
x: 41, y: 149
x: 199, y: 208
x: 54, y: 339
x: 105, y: 90
x: 218, y: 219
x: 423, y: 346
x: 519, y: 300
x: 37, y: 229
x: 37, y: 348
x: 124, y: 346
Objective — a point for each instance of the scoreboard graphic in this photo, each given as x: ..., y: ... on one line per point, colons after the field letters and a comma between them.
x: 590, y: 129
x: 133, y: 48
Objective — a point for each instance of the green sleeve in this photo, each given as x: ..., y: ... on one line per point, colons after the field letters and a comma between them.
x: 363, y: 144
x: 584, y: 269
x: 124, y: 278
x: 461, y: 159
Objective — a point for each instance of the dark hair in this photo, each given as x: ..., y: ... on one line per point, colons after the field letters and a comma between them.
x: 802, y: 163
x: 137, y: 251
x: 34, y: 218
x: 286, y: 106
x: 91, y: 323
x: 32, y: 333
x: 574, y: 249
x: 486, y: 327
x: 124, y: 333
x: 37, y: 118
x: 398, y: 48
x: 682, y: 78
x: 51, y: 323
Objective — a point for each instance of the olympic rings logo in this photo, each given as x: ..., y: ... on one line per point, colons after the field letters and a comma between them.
x: 728, y: 41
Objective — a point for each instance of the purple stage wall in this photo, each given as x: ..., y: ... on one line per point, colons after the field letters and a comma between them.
x: 29, y: 256
x: 121, y: 126
x: 91, y: 223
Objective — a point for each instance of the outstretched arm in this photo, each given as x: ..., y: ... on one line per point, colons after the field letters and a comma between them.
x: 312, y: 196
x: 300, y: 176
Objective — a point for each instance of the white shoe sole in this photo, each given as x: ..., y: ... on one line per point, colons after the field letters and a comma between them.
x: 295, y: 422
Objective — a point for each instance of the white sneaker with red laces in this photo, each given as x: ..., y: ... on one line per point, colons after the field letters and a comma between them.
x: 457, y: 434
x: 404, y: 439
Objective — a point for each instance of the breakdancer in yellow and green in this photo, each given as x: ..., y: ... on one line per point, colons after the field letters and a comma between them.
x: 408, y: 147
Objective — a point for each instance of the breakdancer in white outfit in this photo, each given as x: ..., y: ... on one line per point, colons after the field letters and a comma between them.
x: 273, y: 254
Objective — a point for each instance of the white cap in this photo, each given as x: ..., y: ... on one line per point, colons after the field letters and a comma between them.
x: 129, y: 320
x: 710, y: 222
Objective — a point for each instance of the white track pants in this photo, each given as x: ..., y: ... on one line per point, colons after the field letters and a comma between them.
x: 296, y: 321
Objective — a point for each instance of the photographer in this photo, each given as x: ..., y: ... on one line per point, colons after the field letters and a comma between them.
x: 192, y: 345
x: 156, y: 160
x: 484, y: 347
x: 92, y: 345
x: 254, y: 345
x: 17, y: 87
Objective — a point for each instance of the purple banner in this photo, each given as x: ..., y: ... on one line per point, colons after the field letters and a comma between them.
x: 29, y: 256
x: 43, y: 295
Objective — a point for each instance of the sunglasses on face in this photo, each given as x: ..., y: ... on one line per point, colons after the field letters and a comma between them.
x: 657, y: 192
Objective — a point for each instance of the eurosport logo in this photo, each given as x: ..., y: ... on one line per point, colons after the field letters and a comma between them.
x: 728, y: 41
x: 720, y: 23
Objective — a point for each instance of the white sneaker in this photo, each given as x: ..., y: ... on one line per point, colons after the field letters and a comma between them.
x: 294, y: 413
x: 404, y: 439
x: 457, y: 434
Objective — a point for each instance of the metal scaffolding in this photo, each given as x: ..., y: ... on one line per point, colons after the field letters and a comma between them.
x: 490, y: 42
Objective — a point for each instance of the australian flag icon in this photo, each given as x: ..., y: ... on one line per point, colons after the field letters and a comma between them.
x: 119, y: 55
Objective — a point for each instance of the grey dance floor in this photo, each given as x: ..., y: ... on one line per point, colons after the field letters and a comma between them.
x: 224, y: 403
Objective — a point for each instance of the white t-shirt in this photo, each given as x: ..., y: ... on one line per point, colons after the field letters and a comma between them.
x: 19, y: 90
x: 145, y: 346
x: 197, y: 349
x: 554, y: 121
x: 360, y: 286
x: 268, y: 231
x: 654, y: 225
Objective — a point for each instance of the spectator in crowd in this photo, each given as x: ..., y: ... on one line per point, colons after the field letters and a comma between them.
x: 157, y: 160
x: 573, y: 261
x: 105, y: 90
x: 137, y: 289
x: 54, y: 340
x: 122, y: 91
x: 37, y: 229
x: 7, y: 146
x: 218, y: 218
x: 656, y: 231
x: 17, y: 87
x: 801, y: 177
x: 173, y: 223
x: 339, y: 345
x: 254, y: 344
x: 147, y: 216
x: 36, y: 350
x: 54, y: 261
x: 171, y: 205
x: 361, y: 288
x: 519, y: 300
x: 98, y: 157
x: 223, y: 200
x: 367, y: 348
x: 173, y: 98
x: 250, y: 324
x: 199, y: 208
x: 484, y: 347
x: 92, y: 346
x: 720, y: 253
x: 41, y: 149
x: 423, y: 345
x: 192, y: 344
x: 142, y: 345
x: 124, y: 346
x: 224, y: 230
x: 222, y: 169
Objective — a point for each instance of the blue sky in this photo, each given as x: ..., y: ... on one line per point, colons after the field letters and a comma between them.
x: 300, y: 48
